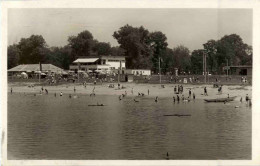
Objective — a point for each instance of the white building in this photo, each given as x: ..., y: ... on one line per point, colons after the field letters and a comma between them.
x: 137, y: 72
x: 104, y: 64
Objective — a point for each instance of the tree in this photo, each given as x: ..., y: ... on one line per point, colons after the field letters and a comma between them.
x: 158, y: 43
x: 13, y: 56
x: 181, y: 57
x: 211, y: 52
x: 32, y: 49
x: 59, y: 56
x: 117, y: 51
x: 197, y: 61
x: 82, y: 44
x: 102, y: 48
x: 135, y: 42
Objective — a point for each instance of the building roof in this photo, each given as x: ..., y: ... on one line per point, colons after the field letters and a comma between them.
x: 85, y: 60
x: 35, y: 67
x: 112, y: 57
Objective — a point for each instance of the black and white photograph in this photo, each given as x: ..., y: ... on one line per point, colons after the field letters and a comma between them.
x: 131, y: 84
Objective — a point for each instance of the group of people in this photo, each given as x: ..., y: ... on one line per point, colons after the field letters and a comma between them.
x: 178, y: 90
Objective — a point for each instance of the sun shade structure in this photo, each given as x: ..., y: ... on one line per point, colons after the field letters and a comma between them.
x: 36, y: 67
x: 86, y: 60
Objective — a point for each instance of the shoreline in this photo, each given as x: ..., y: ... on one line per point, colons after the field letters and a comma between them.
x: 154, y: 89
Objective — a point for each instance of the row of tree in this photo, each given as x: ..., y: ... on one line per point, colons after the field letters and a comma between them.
x: 143, y: 49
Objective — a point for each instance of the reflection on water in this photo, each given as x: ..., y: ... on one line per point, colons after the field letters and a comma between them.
x: 48, y: 127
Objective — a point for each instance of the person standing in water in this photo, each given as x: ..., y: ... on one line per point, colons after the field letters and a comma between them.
x: 205, y: 91
x: 247, y: 98
x: 55, y: 94
x: 190, y: 93
x: 148, y: 92
x: 60, y: 93
x: 194, y: 96
x: 11, y: 90
x: 74, y: 89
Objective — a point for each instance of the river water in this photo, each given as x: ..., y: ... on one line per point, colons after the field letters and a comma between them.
x: 49, y: 127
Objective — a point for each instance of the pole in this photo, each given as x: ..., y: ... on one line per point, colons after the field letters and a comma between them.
x: 227, y: 67
x: 205, y: 68
x: 160, y: 69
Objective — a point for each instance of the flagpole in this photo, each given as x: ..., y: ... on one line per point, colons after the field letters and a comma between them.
x: 160, y: 69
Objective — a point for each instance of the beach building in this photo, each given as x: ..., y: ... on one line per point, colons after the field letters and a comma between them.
x: 34, y: 68
x: 102, y: 64
x: 245, y: 70
x: 137, y: 72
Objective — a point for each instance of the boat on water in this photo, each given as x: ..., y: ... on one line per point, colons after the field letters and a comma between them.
x: 227, y: 99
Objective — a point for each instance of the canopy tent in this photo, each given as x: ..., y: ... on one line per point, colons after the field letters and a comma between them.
x: 35, y: 68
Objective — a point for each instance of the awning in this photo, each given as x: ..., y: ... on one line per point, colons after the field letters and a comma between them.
x: 86, y: 60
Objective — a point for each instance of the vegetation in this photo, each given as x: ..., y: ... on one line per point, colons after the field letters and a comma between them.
x: 143, y: 49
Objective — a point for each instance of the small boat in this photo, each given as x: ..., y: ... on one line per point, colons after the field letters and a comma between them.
x: 178, y: 115
x: 227, y: 99
x: 96, y: 105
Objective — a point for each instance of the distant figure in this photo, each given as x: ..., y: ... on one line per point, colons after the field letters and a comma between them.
x: 175, y: 89
x: 139, y: 94
x: 120, y: 97
x: 156, y: 99
x: 205, y: 91
x: 241, y: 99
x: 220, y: 89
x: 46, y: 91
x: 132, y: 91
x: 74, y: 89
x: 167, y: 156
x: 136, y: 100
x: 247, y: 98
x: 148, y: 92
x: 228, y: 95
x: 69, y: 95
x: 93, y: 89
x: 250, y: 103
x: 55, y: 94
x: 178, y: 98
x: 173, y: 99
x: 194, y: 96
x: 118, y: 85
x: 190, y: 93
x: 42, y: 88
x: 11, y: 90
x: 60, y: 93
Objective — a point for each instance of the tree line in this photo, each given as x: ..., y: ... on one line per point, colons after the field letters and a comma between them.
x: 143, y: 50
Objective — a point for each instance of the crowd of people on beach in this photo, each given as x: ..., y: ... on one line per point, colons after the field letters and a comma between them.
x: 178, y: 91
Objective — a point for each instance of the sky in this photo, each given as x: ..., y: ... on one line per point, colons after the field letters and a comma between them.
x: 188, y: 27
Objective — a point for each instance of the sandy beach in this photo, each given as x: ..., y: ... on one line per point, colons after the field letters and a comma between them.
x: 154, y: 89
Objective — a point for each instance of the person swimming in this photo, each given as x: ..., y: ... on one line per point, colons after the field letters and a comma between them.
x: 173, y: 99
x: 60, y: 93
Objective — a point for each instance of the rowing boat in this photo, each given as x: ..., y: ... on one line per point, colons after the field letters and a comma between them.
x: 227, y: 99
